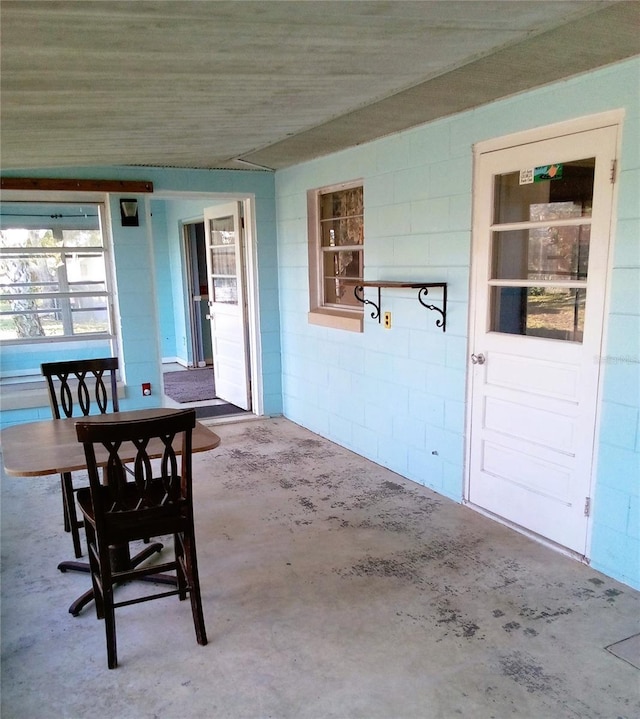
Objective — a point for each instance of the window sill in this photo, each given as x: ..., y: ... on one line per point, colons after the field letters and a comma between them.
x: 339, y: 320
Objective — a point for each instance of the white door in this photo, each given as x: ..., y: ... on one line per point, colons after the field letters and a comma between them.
x: 542, y: 216
x: 227, y: 303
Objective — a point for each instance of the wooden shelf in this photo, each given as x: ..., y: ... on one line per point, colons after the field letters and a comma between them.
x: 423, y: 291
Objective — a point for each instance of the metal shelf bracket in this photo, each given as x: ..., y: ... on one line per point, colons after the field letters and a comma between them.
x: 423, y: 292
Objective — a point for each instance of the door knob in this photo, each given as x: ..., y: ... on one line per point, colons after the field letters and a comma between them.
x: 478, y: 359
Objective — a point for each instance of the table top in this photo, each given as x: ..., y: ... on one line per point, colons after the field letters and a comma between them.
x: 51, y: 446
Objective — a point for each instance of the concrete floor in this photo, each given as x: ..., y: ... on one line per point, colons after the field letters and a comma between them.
x: 332, y: 588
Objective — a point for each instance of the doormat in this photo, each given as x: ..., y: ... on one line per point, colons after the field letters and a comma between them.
x: 192, y: 385
x: 627, y: 649
x: 218, y: 410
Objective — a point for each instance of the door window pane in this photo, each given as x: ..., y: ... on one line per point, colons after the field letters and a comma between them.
x: 541, y: 253
x: 569, y: 193
x: 225, y: 289
x: 551, y: 312
x: 223, y: 260
x: 222, y: 232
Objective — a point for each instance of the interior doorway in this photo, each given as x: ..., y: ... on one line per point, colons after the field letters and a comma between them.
x: 196, y: 264
x: 200, y: 377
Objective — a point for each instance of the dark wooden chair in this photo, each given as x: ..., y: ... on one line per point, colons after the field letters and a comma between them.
x: 117, y: 511
x: 79, y: 388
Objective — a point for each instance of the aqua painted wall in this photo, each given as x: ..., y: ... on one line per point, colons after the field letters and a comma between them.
x: 138, y: 271
x: 164, y: 282
x: 398, y: 396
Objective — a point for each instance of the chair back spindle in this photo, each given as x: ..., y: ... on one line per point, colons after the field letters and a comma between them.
x: 81, y: 386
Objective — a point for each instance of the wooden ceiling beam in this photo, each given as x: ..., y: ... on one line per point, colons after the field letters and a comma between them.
x: 69, y: 185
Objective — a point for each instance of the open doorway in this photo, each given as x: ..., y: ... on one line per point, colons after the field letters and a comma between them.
x: 216, y: 305
x: 194, y: 385
x: 196, y: 282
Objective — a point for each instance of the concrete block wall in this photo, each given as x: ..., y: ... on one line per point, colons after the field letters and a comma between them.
x: 616, y: 522
x: 398, y: 396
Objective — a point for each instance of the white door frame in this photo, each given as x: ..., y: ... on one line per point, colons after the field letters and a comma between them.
x: 251, y: 276
x: 571, y: 127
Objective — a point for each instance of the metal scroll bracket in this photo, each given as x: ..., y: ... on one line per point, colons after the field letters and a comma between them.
x: 422, y: 296
x: 423, y: 292
x: 358, y: 292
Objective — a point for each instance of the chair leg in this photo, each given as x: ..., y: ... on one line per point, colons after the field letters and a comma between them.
x: 106, y: 599
x: 110, y: 629
x: 71, y: 513
x: 94, y: 563
x: 194, y: 593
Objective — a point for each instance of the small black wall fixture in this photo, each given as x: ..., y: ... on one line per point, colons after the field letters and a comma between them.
x: 129, y: 212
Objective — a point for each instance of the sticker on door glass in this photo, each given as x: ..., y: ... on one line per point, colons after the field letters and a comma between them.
x: 547, y: 172
x: 526, y: 176
x: 541, y: 174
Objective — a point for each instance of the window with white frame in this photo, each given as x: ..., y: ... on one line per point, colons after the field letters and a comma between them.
x: 55, y: 295
x: 336, y: 254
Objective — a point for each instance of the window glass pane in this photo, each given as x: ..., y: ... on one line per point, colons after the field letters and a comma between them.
x: 225, y: 289
x: 337, y: 265
x: 554, y: 313
x: 85, y: 272
x: 541, y: 253
x: 342, y: 232
x: 24, y: 274
x: 82, y: 238
x: 343, y: 264
x: 51, y: 272
x: 89, y: 315
x: 567, y: 193
x: 18, y: 237
x: 53, y: 317
x: 338, y: 292
x: 44, y: 224
x: 342, y: 203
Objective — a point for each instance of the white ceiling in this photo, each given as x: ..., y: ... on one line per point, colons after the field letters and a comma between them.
x: 200, y: 84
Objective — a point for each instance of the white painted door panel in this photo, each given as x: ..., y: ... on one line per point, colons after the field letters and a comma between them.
x: 540, y: 258
x: 227, y: 314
